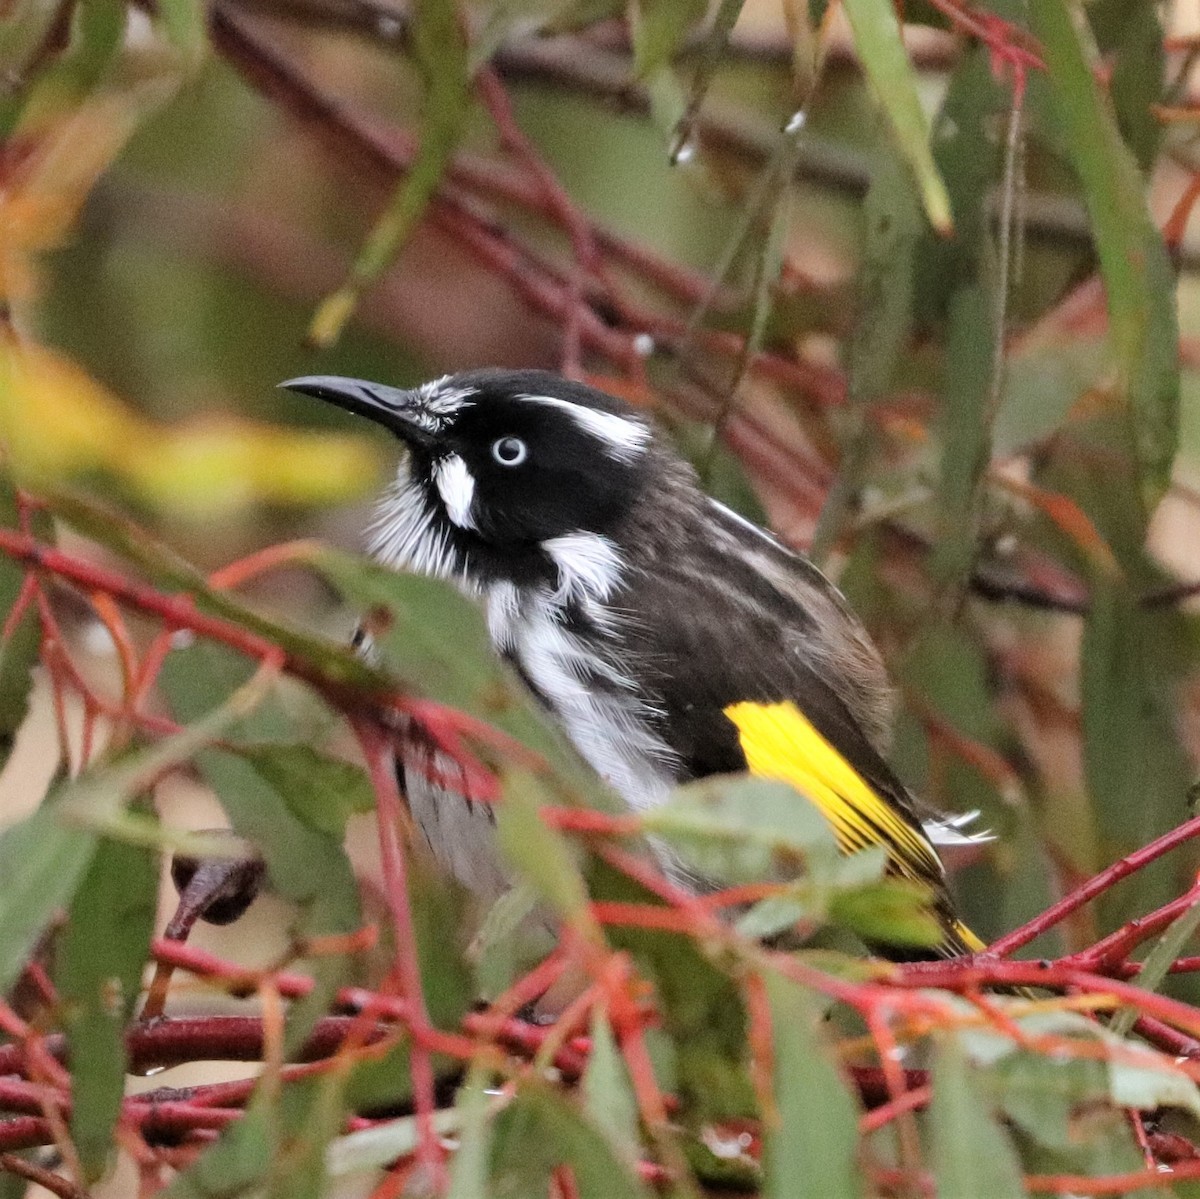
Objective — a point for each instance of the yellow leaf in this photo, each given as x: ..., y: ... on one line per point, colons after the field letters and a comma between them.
x: 58, y: 423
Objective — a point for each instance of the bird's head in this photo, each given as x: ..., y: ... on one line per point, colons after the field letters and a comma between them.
x: 504, y: 468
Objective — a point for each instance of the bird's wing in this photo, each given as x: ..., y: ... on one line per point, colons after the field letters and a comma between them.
x: 738, y: 691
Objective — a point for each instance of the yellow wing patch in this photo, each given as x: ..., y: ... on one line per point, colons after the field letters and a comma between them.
x: 780, y: 743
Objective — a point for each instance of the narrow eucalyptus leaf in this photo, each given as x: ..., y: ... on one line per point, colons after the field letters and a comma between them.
x: 98, y: 972
x: 811, y: 1152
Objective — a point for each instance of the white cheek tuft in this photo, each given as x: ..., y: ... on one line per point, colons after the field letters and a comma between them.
x: 404, y: 533
x: 456, y: 486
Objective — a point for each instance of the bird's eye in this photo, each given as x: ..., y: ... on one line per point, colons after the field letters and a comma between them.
x: 510, y: 451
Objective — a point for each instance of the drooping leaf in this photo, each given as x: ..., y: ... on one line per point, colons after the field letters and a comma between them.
x: 237, y: 1165
x: 185, y: 26
x: 812, y: 1151
x: 970, y: 1153
x: 469, y: 1171
x: 1156, y: 1082
x: 703, y: 1025
x: 1135, y: 768
x: 877, y: 39
x: 968, y: 155
x: 892, y: 911
x: 376, y: 1146
x: 98, y: 973
x: 95, y: 40
x: 1132, y: 35
x: 716, y: 39
x: 439, y: 50
x: 508, y: 941
x: 45, y: 857
x: 1041, y: 1094
x: 658, y: 28
x: 608, y: 1095
x: 1137, y: 274
x: 42, y: 862
x: 966, y: 432
x: 440, y: 920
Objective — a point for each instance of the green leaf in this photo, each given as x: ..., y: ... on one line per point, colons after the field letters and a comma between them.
x: 702, y: 1033
x: 658, y: 28
x: 1041, y: 1093
x: 740, y: 829
x: 881, y: 49
x: 539, y: 1132
x: 19, y: 651
x: 893, y: 226
x: 509, y: 941
x: 966, y: 434
x: 44, y: 858
x: 1135, y: 767
x: 607, y: 1092
x: 812, y: 1151
x: 1152, y: 1083
x: 1133, y: 35
x: 544, y: 857
x: 847, y: 890
x: 236, y: 1165
x: 42, y: 862
x: 97, y: 31
x: 440, y: 911
x: 469, y: 1171
x: 968, y: 155
x: 380, y: 1144
x: 439, y: 50
x: 1137, y: 273
x: 305, y: 865
x: 711, y: 52
x: 893, y: 911
x: 970, y: 1153
x: 276, y: 1150
x: 1158, y: 962
x: 98, y: 972
x: 185, y: 26
x: 321, y: 791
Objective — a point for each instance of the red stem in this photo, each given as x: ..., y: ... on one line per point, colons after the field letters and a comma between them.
x: 390, y: 811
x: 1096, y: 885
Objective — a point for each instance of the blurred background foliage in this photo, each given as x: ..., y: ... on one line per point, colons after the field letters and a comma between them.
x: 803, y: 245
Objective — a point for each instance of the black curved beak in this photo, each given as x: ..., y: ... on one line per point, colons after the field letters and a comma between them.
x: 398, y: 411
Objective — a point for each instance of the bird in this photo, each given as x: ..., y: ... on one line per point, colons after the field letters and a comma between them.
x: 670, y: 638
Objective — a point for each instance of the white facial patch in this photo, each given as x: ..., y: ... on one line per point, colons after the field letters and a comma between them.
x: 456, y: 486
x: 624, y: 437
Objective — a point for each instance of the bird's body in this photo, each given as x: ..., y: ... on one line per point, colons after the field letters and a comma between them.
x: 670, y: 638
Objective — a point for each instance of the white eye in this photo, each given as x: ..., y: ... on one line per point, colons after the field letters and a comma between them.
x: 510, y: 451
